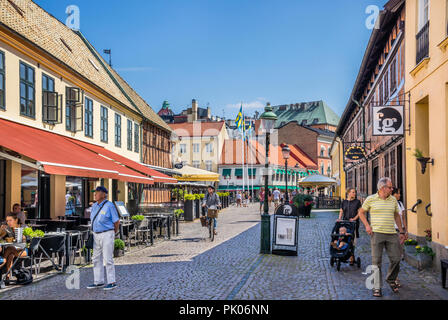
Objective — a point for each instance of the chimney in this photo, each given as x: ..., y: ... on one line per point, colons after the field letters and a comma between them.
x: 194, y: 110
x: 209, y: 113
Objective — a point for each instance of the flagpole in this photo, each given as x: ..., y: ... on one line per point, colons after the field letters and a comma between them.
x: 252, y: 163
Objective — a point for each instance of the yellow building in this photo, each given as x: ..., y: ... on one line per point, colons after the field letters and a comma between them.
x: 199, y: 144
x: 427, y: 84
x: 337, y: 168
x: 64, y: 110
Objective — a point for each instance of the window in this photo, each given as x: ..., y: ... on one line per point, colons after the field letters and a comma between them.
x: 322, y: 168
x: 27, y: 94
x: 74, y: 112
x: 322, y: 151
x: 117, y: 130
x: 2, y: 81
x: 393, y: 76
x: 208, y: 165
x: 183, y: 148
x: 50, y: 101
x: 386, y: 87
x: 423, y: 13
x: 196, y: 147
x: 129, y: 135
x: 196, y: 164
x: 209, y: 148
x: 104, y: 125
x: 88, y: 130
x: 381, y: 93
x: 136, y: 137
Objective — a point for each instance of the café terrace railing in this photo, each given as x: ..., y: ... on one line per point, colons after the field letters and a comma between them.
x: 423, y: 43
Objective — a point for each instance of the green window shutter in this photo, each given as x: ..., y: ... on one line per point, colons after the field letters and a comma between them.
x: 239, y: 172
x: 227, y: 172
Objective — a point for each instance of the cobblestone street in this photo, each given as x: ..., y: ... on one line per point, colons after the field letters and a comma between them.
x: 191, y: 267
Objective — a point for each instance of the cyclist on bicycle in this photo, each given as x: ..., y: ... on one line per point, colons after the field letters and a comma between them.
x: 211, y: 201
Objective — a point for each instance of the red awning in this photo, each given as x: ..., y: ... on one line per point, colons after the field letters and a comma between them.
x: 59, y: 156
x: 156, y: 175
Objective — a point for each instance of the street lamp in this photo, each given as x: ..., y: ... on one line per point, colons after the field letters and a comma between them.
x: 268, y: 119
x: 286, y: 152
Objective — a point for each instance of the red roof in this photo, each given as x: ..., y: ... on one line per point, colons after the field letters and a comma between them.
x: 60, y: 156
x: 197, y: 129
x: 300, y: 155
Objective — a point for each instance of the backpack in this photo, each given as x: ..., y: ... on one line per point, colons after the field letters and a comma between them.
x: 23, y: 275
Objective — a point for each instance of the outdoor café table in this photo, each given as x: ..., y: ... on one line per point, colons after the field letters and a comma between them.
x: 126, y: 224
x: 21, y: 247
x: 161, y: 217
x: 151, y: 218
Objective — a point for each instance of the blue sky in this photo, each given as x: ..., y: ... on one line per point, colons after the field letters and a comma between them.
x: 223, y: 52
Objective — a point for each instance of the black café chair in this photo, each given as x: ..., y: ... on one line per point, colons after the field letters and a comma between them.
x: 29, y: 260
x: 50, y: 246
x: 74, y: 245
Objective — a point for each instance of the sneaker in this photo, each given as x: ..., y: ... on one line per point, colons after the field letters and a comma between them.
x: 95, y: 286
x: 110, y: 286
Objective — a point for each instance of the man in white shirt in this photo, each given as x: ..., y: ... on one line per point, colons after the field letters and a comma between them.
x: 276, y: 195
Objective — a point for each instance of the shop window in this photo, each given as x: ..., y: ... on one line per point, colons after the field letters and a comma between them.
x: 73, y: 196
x: 27, y: 93
x: 136, y: 138
x: 117, y: 130
x: 29, y: 194
x: 129, y: 135
x: 196, y: 164
x: 74, y: 112
x: 88, y: 131
x: 51, y: 102
x: 2, y: 81
x: 104, y: 125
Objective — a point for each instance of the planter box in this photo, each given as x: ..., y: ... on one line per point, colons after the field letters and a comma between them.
x: 410, y: 250
x: 305, y: 211
x: 420, y: 261
x: 118, y: 253
x: 188, y: 210
x: 197, y: 210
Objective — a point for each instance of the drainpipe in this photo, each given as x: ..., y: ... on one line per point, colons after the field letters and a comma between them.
x: 364, y: 140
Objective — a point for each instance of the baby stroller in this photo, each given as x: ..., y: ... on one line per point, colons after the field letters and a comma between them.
x: 343, y: 255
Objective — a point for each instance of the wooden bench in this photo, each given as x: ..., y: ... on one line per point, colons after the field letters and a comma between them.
x: 444, y: 263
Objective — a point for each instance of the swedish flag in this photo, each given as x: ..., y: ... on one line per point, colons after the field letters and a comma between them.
x: 239, y: 118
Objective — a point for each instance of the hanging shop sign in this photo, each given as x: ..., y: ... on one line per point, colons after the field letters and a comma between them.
x: 388, y: 120
x: 355, y: 153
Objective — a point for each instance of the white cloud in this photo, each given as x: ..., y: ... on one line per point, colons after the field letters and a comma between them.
x: 253, y: 105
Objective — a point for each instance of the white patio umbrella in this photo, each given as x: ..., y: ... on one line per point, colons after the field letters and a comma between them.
x: 317, y: 180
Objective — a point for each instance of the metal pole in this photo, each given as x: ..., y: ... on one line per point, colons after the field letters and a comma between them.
x: 265, y: 246
x: 286, y: 194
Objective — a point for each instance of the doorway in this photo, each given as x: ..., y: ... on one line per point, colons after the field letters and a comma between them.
x: 375, y: 179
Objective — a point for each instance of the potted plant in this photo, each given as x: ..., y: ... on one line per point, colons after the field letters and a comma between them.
x: 304, y: 203
x: 118, y: 248
x: 424, y: 257
x: 409, y: 246
x: 428, y: 237
x: 189, y: 207
x: 138, y: 219
x: 418, y: 154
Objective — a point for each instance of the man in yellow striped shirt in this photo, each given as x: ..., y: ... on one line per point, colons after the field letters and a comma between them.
x: 384, y: 213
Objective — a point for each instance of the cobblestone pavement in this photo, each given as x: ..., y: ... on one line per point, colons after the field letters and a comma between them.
x: 191, y: 267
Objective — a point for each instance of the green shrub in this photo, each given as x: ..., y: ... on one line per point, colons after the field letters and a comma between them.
x: 300, y: 199
x: 138, y: 217
x: 178, y: 212
x: 119, y: 244
x: 426, y: 250
x: 28, y: 232
x: 410, y: 242
x: 189, y: 196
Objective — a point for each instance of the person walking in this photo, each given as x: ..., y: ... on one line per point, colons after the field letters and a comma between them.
x: 211, y: 201
x: 239, y: 199
x: 261, y: 198
x: 105, y: 224
x: 276, y: 196
x: 384, y: 212
x: 349, y: 212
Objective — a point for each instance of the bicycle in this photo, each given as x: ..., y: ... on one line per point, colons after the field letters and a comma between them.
x: 212, y: 214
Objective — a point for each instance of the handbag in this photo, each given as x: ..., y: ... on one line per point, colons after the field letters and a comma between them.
x: 89, y: 242
x: 23, y: 276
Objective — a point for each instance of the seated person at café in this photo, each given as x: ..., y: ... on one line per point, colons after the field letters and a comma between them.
x: 7, y: 232
x: 17, y: 209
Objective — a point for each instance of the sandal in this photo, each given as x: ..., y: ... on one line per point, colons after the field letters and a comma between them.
x: 394, y: 287
x: 377, y: 293
x: 352, y: 260
x: 397, y: 283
